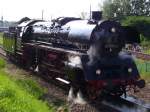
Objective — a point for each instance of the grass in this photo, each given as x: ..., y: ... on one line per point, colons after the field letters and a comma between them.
x: 20, y: 95
x: 1, y: 38
x: 2, y: 63
x: 31, y: 87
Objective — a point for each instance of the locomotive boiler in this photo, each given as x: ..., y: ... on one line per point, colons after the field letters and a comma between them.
x: 87, y: 54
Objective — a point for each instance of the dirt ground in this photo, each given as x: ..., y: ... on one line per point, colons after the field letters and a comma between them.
x: 143, y: 94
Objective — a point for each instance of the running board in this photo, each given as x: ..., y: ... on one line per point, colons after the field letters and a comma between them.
x: 62, y: 80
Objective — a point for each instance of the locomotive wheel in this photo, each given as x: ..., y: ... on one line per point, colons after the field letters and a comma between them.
x: 78, y: 82
x: 92, y: 94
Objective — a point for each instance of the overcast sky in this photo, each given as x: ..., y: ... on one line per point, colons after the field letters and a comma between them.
x: 13, y: 10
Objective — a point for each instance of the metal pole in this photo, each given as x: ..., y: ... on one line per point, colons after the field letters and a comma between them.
x: 2, y: 21
x: 42, y: 14
x: 90, y: 13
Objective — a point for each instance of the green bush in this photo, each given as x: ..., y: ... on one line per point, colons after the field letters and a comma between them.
x: 142, y: 24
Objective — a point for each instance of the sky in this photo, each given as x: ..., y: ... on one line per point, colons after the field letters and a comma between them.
x: 14, y: 10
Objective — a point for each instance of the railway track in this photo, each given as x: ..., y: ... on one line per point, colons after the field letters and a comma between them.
x: 111, y: 104
x: 129, y: 104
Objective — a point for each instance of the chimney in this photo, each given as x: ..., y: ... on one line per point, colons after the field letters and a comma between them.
x: 96, y: 15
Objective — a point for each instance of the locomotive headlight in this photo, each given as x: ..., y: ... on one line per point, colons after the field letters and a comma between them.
x: 113, y: 30
x: 98, y: 71
x: 129, y: 70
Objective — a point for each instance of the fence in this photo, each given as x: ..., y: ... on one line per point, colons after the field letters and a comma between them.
x: 143, y: 66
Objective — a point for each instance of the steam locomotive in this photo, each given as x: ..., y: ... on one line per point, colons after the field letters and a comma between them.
x: 87, y: 54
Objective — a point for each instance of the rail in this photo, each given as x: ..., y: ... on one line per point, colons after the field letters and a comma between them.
x: 128, y: 104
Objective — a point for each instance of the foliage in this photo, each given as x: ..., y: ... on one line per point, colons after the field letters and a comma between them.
x: 140, y: 7
x: 118, y: 9
x: 2, y: 63
x: 20, y: 95
x: 141, y: 23
x: 30, y: 86
x: 1, y: 38
x: 108, y: 9
x: 13, y: 98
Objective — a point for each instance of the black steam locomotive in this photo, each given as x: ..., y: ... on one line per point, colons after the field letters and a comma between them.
x: 87, y: 54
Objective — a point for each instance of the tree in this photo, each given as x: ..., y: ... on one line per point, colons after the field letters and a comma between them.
x: 125, y: 7
x: 147, y: 8
x: 138, y: 7
x: 108, y: 11
x: 116, y: 9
